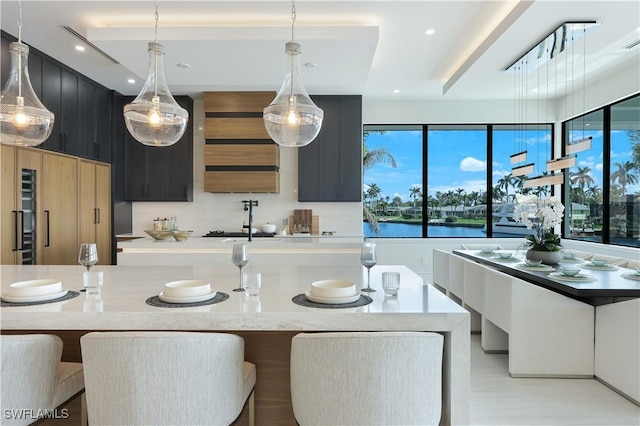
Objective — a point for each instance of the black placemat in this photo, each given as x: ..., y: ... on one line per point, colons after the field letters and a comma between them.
x: 302, y: 300
x: 155, y: 301
x: 70, y: 295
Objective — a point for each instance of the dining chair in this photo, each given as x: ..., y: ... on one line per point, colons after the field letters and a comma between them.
x: 367, y: 378
x: 33, y: 380
x: 159, y: 378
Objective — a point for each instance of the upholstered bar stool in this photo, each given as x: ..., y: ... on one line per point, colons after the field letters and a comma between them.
x: 166, y: 378
x: 33, y: 380
x: 367, y: 378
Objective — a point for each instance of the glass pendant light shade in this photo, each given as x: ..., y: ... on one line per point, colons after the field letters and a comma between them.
x: 24, y: 121
x: 154, y: 117
x: 292, y: 119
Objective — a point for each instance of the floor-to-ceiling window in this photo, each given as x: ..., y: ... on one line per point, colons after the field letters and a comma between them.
x: 624, y: 189
x: 603, y: 192
x: 446, y: 180
x: 392, y: 191
x: 584, y: 211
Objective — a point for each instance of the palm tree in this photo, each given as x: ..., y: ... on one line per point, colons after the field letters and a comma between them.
x: 624, y: 176
x: 581, y: 177
x: 375, y: 156
x: 505, y: 182
x: 373, y: 192
x: 414, y: 192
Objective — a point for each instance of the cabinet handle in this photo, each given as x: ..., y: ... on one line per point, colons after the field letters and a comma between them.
x: 21, y: 214
x: 14, y: 247
x: 98, y: 211
x: 48, y: 236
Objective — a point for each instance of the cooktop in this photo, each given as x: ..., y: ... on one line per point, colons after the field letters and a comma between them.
x: 223, y: 234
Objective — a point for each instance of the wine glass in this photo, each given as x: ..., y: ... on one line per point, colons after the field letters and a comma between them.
x: 88, y: 255
x: 368, y: 259
x: 240, y: 257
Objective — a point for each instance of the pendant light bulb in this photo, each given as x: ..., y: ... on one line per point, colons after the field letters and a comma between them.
x: 24, y: 120
x: 292, y: 119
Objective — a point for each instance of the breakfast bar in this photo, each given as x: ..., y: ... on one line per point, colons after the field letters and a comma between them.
x: 266, y: 322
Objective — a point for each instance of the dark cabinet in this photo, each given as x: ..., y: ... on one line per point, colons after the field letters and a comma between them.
x: 83, y: 109
x: 160, y: 173
x: 330, y: 168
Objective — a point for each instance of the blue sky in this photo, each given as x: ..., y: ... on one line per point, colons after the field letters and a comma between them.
x: 458, y: 158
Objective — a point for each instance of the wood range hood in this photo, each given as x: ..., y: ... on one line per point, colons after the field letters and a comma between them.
x: 239, y: 155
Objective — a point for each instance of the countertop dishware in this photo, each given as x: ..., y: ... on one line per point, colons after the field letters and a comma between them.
x: 187, y: 288
x: 32, y: 288
x: 333, y: 288
x: 331, y: 300
x: 158, y: 234
x: 40, y: 298
x: 368, y: 259
x: 190, y: 299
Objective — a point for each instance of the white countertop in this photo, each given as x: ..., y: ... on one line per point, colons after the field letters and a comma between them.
x: 122, y: 303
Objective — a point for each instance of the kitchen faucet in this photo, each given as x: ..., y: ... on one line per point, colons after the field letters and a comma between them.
x: 248, y: 206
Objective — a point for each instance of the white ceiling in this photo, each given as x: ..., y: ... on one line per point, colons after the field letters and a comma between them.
x: 358, y: 47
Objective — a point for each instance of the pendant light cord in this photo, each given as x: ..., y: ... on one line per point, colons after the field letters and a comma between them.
x: 20, y: 42
x: 155, y: 55
x: 293, y: 23
x: 293, y: 18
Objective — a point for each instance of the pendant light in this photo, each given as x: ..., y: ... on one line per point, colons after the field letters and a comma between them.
x: 292, y: 119
x: 25, y: 121
x: 154, y: 117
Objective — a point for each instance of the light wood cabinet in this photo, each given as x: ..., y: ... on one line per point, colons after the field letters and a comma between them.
x: 21, y: 189
x: 43, y: 207
x: 95, y: 207
x: 59, y: 238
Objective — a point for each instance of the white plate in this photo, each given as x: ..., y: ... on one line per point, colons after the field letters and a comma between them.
x: 579, y: 277
x: 192, y: 299
x: 40, y: 298
x: 599, y: 268
x: 34, y: 288
x: 509, y: 259
x: 331, y: 300
x: 632, y: 276
x: 539, y: 268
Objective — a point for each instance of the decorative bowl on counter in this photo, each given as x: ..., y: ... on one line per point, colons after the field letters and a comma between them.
x: 181, y: 235
x: 159, y: 234
x: 35, y: 287
x: 253, y: 230
x: 187, y: 288
x: 269, y: 228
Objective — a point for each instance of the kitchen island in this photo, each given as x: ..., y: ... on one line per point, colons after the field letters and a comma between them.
x: 299, y: 250
x: 267, y: 322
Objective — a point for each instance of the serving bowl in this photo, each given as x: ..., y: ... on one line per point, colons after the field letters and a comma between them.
x: 566, y: 254
x: 333, y: 288
x: 187, y: 288
x: 269, y: 228
x: 487, y: 250
x: 570, y: 271
x: 504, y: 254
x: 599, y: 262
x: 158, y: 234
x: 530, y: 262
x: 35, y: 288
x: 253, y: 230
x: 181, y: 235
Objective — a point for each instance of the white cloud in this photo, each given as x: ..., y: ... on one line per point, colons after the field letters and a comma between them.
x: 598, y: 167
x: 470, y: 164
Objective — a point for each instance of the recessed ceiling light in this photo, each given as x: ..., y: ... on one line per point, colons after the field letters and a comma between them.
x: 80, y: 48
x: 183, y: 65
x: 310, y: 64
x: 131, y: 81
x: 430, y: 31
x: 396, y: 90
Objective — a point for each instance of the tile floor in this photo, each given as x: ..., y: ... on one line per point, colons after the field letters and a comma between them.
x: 497, y: 399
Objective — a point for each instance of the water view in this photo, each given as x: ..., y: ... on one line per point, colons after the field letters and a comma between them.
x: 403, y: 230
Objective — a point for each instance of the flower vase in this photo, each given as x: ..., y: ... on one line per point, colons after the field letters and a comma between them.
x: 547, y: 257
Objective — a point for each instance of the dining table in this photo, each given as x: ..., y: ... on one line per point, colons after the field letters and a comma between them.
x: 129, y: 300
